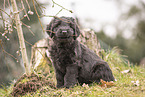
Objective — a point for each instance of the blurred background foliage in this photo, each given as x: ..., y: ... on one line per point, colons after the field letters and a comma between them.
x: 133, y: 46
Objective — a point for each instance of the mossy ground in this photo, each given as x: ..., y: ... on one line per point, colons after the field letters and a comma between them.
x: 130, y: 81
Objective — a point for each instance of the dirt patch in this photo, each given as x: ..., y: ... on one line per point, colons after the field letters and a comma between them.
x: 29, y: 83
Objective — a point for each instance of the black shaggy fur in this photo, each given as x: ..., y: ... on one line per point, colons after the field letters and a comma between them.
x: 74, y: 62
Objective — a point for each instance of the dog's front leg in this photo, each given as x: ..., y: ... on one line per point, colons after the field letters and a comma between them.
x: 70, y: 78
x: 59, y: 78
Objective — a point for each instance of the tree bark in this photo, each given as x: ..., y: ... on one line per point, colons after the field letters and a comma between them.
x: 40, y: 54
x: 21, y: 37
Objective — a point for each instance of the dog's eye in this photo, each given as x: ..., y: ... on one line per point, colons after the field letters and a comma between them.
x: 73, y: 26
x: 70, y: 24
x: 56, y: 23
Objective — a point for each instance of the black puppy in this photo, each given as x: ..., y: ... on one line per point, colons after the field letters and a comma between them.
x: 74, y: 62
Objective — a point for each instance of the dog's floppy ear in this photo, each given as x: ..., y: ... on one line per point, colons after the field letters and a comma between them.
x: 49, y: 29
x: 75, y: 27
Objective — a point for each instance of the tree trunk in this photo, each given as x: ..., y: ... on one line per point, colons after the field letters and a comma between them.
x: 21, y: 38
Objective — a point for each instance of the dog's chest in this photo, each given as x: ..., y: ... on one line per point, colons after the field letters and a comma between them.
x: 63, y: 56
x: 66, y: 56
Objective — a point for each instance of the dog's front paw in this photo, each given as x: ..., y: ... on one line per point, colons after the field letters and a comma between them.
x: 65, y: 86
x: 70, y: 85
x: 59, y: 86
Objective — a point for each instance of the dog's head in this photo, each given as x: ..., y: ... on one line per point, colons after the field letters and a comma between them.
x: 63, y: 29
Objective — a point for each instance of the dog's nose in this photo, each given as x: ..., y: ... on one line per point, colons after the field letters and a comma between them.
x: 64, y: 32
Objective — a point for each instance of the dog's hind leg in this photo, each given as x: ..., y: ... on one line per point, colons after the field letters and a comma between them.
x: 102, y: 71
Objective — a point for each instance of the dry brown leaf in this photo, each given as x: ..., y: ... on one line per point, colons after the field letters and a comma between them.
x: 106, y: 84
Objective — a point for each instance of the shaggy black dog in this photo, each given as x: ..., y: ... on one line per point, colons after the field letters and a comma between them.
x: 74, y: 62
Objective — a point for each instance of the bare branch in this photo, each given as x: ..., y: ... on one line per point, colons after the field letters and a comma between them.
x: 37, y: 15
x: 5, y: 12
x: 28, y: 28
x: 6, y: 51
x: 25, y: 10
x: 28, y: 5
x: 58, y: 12
x: 61, y: 6
x: 39, y: 6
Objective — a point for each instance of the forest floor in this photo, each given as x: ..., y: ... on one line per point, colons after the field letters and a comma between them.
x: 130, y: 81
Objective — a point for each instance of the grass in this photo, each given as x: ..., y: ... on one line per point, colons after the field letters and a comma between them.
x: 130, y: 81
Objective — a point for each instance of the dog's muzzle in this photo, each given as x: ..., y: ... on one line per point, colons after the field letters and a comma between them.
x: 64, y: 34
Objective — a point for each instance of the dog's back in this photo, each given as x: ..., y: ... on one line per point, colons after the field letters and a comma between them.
x: 90, y: 64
